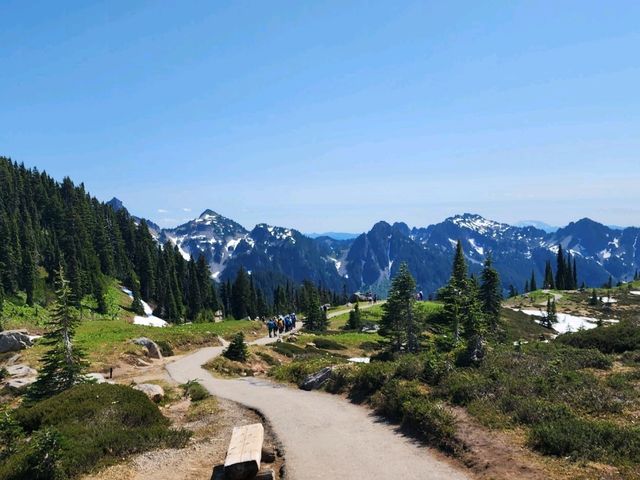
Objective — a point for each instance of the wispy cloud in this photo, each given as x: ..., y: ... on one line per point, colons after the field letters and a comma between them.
x: 162, y: 210
x: 186, y: 209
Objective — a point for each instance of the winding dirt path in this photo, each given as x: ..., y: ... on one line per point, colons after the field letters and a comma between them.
x: 324, y: 436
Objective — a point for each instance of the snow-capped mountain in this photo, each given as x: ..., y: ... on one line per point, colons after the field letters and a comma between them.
x: 275, y: 255
x: 267, y: 251
x: 211, y: 235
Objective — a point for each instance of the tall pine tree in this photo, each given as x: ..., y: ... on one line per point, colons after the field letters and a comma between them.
x: 63, y: 363
x: 490, y: 294
x: 399, y: 322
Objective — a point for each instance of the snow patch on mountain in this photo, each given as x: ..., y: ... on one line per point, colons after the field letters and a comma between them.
x: 476, y: 247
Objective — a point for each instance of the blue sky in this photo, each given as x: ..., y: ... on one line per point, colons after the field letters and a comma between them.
x: 331, y: 115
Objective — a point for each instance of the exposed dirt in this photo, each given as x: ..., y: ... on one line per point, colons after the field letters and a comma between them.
x: 197, y: 460
x: 494, y: 455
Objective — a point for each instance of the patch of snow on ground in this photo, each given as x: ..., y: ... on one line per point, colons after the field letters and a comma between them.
x: 360, y: 359
x: 608, y: 300
x: 635, y: 292
x: 149, y: 319
x: 568, y: 323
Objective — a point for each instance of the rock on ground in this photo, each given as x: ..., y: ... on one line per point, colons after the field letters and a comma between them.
x: 316, y: 380
x: 20, y: 384
x: 20, y: 370
x: 154, y: 392
x: 151, y: 346
x: 14, y: 340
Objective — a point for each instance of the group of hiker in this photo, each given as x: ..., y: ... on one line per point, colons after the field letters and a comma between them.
x: 281, y: 324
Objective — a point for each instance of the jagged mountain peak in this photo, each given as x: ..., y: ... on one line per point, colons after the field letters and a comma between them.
x: 116, y: 204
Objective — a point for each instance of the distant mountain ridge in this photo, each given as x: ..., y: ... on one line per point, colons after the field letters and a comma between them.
x: 334, y: 235
x: 371, y: 259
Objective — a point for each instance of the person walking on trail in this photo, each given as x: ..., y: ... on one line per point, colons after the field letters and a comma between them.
x: 280, y: 326
x: 271, y: 325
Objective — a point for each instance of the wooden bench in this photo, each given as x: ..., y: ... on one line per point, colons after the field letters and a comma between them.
x: 244, y: 453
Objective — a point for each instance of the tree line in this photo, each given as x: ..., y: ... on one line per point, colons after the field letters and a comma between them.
x: 45, y: 225
x: 565, y: 277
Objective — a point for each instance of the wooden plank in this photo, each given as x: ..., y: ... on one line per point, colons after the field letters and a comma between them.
x: 245, y: 452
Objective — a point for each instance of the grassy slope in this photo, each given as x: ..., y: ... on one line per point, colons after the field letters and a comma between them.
x: 106, y: 338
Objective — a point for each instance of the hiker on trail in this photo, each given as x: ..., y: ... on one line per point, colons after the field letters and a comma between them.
x: 271, y: 326
x: 280, y: 326
x: 293, y: 320
x: 287, y: 324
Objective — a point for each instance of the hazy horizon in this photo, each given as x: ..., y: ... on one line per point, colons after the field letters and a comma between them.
x: 331, y: 116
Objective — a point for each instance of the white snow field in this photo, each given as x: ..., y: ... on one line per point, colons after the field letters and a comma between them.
x: 568, y: 323
x: 149, y: 320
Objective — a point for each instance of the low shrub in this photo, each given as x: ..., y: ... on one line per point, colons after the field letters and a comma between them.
x: 287, y: 349
x: 86, y: 426
x: 195, y: 391
x: 409, y: 402
x: 371, y: 377
x: 433, y: 422
x: 341, y: 379
x: 328, y: 344
x: 165, y: 348
x: 619, y: 338
x: 298, y: 370
x: 595, y: 440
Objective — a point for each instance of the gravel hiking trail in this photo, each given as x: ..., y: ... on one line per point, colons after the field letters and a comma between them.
x: 323, y: 435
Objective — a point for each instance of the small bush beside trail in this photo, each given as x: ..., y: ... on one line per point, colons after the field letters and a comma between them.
x: 83, y: 427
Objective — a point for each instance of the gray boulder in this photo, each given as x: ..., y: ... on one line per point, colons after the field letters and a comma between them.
x: 20, y: 370
x: 151, y: 346
x: 316, y: 380
x: 20, y: 385
x: 154, y: 392
x: 14, y: 340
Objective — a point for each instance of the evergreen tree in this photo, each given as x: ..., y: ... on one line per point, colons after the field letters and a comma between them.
x: 568, y: 281
x: 399, y: 322
x: 561, y: 270
x: 513, y: 291
x: 609, y: 283
x: 1, y: 308
x: 459, y: 272
x: 490, y: 294
x: 551, y: 316
x: 532, y: 283
x: 594, y: 298
x: 237, y: 349
x: 315, y: 317
x: 99, y: 294
x: 241, y: 295
x: 548, y: 276
x: 575, y: 274
x: 526, y: 286
x: 136, y: 304
x: 355, y: 319
x: 63, y: 363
